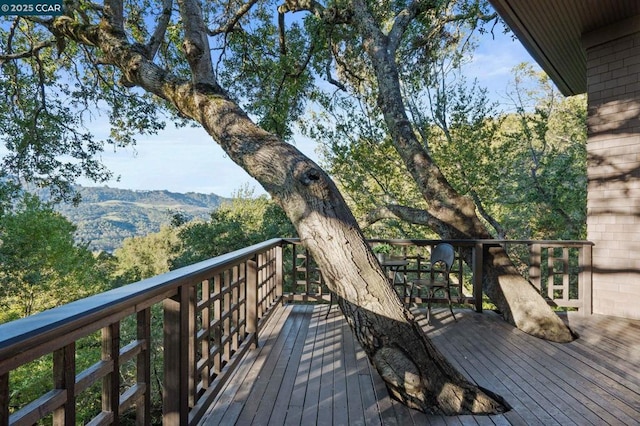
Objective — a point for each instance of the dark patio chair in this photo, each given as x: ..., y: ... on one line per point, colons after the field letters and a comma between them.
x: 442, y: 258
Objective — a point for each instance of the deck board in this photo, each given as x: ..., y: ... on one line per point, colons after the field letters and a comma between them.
x: 308, y: 370
x: 531, y: 386
x: 577, y: 379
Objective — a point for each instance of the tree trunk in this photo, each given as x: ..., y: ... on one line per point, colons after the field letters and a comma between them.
x: 414, y: 371
x: 451, y: 215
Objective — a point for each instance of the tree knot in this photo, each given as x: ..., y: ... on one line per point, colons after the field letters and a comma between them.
x: 310, y: 176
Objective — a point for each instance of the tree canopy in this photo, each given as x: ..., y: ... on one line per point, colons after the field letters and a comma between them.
x: 524, y: 168
x: 40, y: 265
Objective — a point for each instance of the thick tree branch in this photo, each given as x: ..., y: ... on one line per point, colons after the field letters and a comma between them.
x: 330, y: 78
x: 519, y: 302
x: 342, y: 65
x: 114, y: 13
x: 443, y: 201
x: 310, y: 6
x: 158, y: 34
x: 330, y: 15
x: 196, y: 44
x: 398, y: 212
x: 501, y: 232
x: 404, y: 19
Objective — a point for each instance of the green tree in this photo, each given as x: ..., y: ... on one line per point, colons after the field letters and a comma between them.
x: 243, y: 221
x: 40, y: 265
x: 545, y: 195
x: 525, y: 170
x: 238, y: 223
x: 143, y: 257
x: 389, y: 82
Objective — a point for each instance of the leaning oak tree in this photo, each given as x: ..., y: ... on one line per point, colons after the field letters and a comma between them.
x: 137, y: 59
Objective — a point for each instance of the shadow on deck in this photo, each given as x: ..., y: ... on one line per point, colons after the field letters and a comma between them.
x: 308, y: 370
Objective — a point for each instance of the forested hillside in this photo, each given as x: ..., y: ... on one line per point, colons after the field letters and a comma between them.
x: 106, y: 216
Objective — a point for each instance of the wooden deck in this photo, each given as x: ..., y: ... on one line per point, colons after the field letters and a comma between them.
x: 309, y: 371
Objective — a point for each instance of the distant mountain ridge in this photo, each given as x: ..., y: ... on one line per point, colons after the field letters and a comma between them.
x: 106, y: 216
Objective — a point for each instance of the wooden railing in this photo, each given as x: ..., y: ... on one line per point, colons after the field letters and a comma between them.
x: 210, y: 314
x: 560, y: 270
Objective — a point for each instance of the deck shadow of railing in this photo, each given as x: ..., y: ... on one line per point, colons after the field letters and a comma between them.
x: 211, y: 314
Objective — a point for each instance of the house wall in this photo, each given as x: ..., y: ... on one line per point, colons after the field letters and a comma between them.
x: 613, y: 206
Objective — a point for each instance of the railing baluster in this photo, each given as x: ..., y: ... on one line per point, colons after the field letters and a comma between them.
x: 565, y: 274
x: 217, y: 330
x: 226, y: 312
x: 143, y: 367
x: 551, y: 272
x: 279, y: 271
x: 175, y: 394
x: 252, y: 301
x: 478, y: 258
x: 64, y: 377
x: 235, y: 299
x: 534, y: 266
x: 111, y: 382
x: 262, y: 292
x: 4, y: 399
x: 585, y: 277
x: 188, y: 337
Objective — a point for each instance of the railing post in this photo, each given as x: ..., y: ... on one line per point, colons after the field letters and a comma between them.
x: 478, y: 259
x: 534, y: 266
x: 252, y: 301
x: 143, y: 366
x: 4, y: 399
x: 279, y: 272
x: 64, y: 377
x: 585, y: 280
x: 176, y: 392
x: 111, y: 383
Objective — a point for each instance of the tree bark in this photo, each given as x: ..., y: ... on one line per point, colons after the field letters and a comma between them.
x: 413, y: 369
x: 451, y: 215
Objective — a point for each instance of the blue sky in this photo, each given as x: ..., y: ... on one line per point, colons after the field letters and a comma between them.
x: 188, y: 160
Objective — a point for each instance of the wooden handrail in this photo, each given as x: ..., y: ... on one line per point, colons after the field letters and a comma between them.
x: 27, y: 332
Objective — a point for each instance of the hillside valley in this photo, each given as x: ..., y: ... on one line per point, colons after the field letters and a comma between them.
x: 106, y: 216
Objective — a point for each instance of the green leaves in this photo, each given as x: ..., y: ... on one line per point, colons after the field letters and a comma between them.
x: 40, y: 265
x: 547, y: 146
x: 242, y: 222
x: 269, y: 75
x: 147, y: 256
x: 51, y: 95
